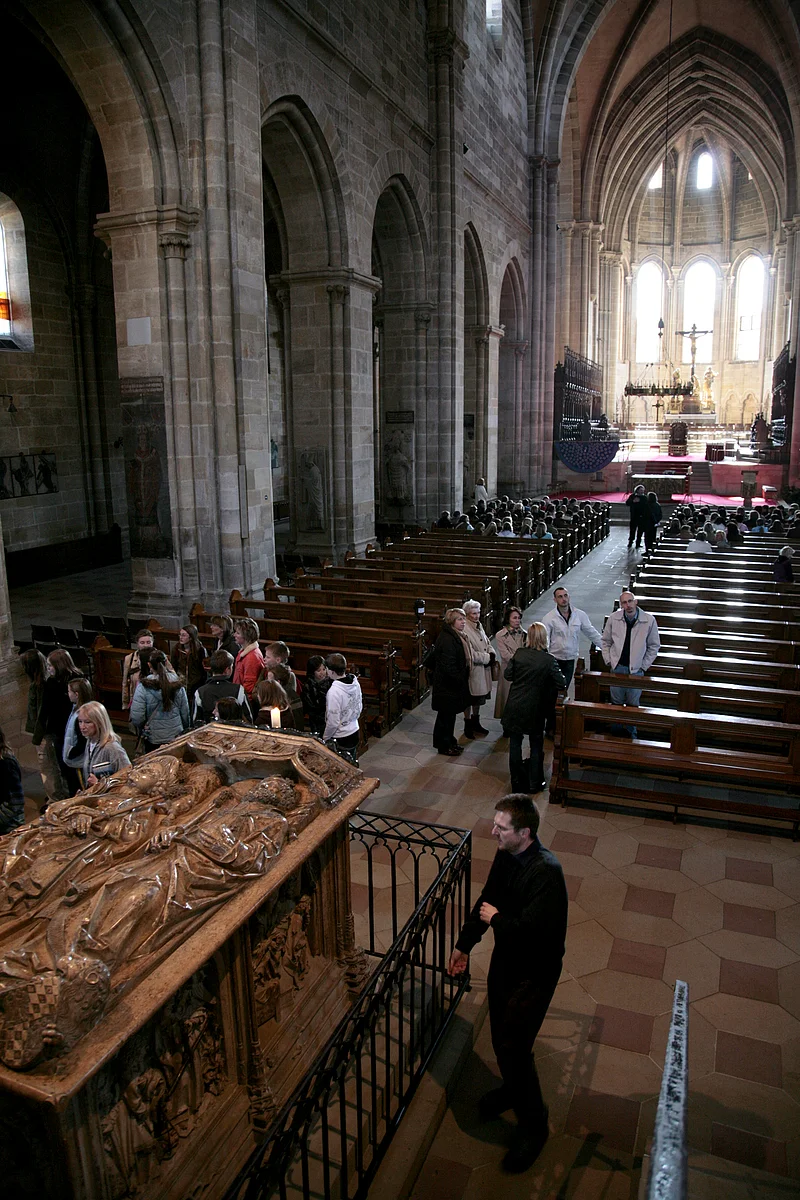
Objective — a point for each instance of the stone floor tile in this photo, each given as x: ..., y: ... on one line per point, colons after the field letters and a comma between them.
x: 622, y: 1028
x: 749, y: 948
x: 588, y: 948
x: 745, y: 918
x: 602, y: 893
x: 615, y: 849
x: 753, y: 895
x: 668, y: 857
x: 703, y: 863
x: 787, y: 927
x: 786, y: 877
x: 697, y: 911
x: 745, y: 979
x: 637, y: 958
x: 657, y: 878
x: 749, y: 1058
x: 748, y: 871
x: 649, y: 902
x: 573, y: 843
x: 441, y: 1179
x: 789, y: 989
x: 639, y: 927
x: 750, y: 1149
x: 749, y: 1018
x: 615, y: 1118
x: 696, y: 965
x: 643, y: 995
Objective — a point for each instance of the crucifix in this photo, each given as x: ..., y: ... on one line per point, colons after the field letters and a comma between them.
x: 694, y: 333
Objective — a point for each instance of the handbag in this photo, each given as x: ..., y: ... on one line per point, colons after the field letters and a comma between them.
x: 494, y: 667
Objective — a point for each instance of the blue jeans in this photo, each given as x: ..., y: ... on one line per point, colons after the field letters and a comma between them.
x: 626, y: 695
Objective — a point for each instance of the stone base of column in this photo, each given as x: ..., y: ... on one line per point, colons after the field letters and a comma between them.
x: 13, y: 701
x: 173, y: 611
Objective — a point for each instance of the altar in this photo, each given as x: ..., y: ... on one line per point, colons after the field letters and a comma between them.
x: 176, y: 945
x: 664, y: 486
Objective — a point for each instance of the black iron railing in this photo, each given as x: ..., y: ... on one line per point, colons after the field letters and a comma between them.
x: 333, y: 1132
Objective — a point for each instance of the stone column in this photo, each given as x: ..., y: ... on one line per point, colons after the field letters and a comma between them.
x: 425, y: 500
x: 538, y: 453
x: 13, y: 684
x: 793, y: 290
x: 495, y: 334
x: 448, y: 55
x: 566, y: 232
x: 99, y: 506
x: 328, y: 318
x: 611, y: 265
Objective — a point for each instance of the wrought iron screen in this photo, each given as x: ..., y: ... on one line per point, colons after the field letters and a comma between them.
x: 333, y: 1132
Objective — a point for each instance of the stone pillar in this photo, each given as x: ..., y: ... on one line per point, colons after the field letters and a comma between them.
x: 538, y: 453
x: 328, y: 318
x: 548, y: 355
x: 793, y: 289
x: 779, y: 301
x: 611, y: 275
x: 566, y: 232
x: 13, y: 686
x: 495, y: 334
x: 425, y: 500
x: 99, y: 505
x: 448, y: 55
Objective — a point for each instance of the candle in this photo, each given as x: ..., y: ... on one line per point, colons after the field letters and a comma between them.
x: 275, y: 718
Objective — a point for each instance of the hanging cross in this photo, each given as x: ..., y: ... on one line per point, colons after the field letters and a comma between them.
x: 694, y: 333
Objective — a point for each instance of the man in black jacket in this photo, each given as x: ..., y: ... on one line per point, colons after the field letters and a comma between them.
x: 524, y: 900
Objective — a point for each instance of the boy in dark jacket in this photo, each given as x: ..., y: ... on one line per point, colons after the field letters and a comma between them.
x: 219, y: 684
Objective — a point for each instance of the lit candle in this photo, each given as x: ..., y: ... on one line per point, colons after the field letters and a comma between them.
x: 275, y: 718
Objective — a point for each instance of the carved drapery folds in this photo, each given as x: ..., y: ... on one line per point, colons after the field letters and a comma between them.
x: 187, y: 925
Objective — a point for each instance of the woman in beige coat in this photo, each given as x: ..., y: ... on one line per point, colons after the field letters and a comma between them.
x: 509, y: 640
x: 480, y: 656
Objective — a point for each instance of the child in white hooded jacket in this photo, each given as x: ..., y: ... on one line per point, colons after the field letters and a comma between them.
x: 343, y: 703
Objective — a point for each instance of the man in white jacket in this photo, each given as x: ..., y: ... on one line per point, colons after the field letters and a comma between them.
x: 564, y: 626
x: 343, y: 704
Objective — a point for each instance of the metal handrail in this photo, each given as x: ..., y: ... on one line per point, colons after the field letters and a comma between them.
x: 668, y: 1179
x: 330, y: 1136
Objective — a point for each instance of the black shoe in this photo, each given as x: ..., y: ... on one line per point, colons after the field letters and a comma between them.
x: 493, y: 1104
x: 525, y: 1149
x: 477, y: 729
x: 469, y: 728
x: 452, y: 751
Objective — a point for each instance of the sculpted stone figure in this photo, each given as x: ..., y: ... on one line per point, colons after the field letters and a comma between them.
x: 109, y: 883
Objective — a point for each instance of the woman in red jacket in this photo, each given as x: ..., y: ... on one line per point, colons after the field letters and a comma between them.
x: 249, y: 660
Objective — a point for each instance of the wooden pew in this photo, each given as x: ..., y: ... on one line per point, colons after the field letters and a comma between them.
x: 534, y: 556
x: 552, y: 552
x: 680, y: 616
x: 677, y: 750
x: 414, y: 581
x: 377, y: 594
x: 725, y: 599
x: 698, y: 696
x: 418, y: 557
x: 409, y: 648
x: 375, y: 669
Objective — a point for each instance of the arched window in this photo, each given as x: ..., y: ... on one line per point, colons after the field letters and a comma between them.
x: 5, y: 301
x: 657, y: 178
x: 699, y: 302
x: 16, y: 328
x: 649, y: 285
x: 494, y: 21
x: 705, y: 171
x: 749, y: 306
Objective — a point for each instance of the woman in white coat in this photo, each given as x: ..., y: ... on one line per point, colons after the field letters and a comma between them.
x: 479, y: 659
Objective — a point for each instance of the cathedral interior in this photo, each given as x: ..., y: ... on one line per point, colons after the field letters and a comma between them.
x: 287, y: 273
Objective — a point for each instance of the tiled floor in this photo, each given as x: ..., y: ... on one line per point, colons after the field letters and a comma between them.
x: 650, y: 902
